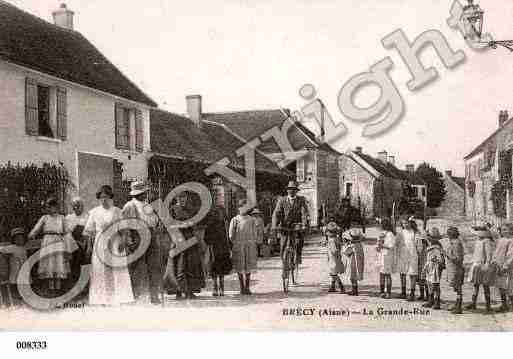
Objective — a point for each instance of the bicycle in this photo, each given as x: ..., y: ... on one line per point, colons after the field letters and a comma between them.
x: 289, y: 257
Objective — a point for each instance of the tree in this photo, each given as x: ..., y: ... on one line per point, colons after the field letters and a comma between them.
x: 434, y: 182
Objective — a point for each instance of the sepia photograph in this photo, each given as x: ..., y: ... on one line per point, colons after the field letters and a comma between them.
x: 238, y: 165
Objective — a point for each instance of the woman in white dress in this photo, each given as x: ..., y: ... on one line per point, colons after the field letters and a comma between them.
x: 53, y: 268
x: 108, y: 285
x: 408, y: 245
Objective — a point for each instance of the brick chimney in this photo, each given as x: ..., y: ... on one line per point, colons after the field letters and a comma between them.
x: 63, y: 17
x: 391, y: 160
x: 359, y: 149
x: 194, y: 108
x: 448, y: 173
x: 410, y: 168
x: 503, y: 117
x: 383, y: 156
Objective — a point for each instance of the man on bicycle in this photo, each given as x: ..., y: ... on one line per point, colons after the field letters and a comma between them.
x: 290, y: 211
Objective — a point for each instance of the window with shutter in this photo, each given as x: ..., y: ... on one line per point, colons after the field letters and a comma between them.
x: 62, y: 110
x: 45, y: 127
x: 139, y: 132
x: 31, y: 113
x: 122, y: 123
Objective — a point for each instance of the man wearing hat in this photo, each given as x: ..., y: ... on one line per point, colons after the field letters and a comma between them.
x: 290, y: 210
x: 148, y: 266
x: 503, y: 260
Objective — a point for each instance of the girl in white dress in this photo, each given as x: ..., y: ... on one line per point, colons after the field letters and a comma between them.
x: 108, y: 285
x: 386, y: 250
x: 53, y: 268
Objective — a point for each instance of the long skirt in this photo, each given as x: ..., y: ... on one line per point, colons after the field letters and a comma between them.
x: 109, y: 285
x: 55, y: 265
x: 188, y: 270
x: 335, y: 264
x: 244, y: 256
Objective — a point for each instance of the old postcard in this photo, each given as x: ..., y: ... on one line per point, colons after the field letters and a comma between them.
x: 283, y: 165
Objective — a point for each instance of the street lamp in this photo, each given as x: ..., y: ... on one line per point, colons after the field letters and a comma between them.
x: 472, y: 19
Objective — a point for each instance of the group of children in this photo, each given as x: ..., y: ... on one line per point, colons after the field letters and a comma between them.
x: 427, y: 262
x: 345, y: 257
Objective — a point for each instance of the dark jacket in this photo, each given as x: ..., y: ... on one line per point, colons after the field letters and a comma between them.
x: 286, y: 213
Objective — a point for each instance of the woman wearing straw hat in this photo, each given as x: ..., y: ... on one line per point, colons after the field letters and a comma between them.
x: 243, y: 234
x: 481, y: 272
x: 503, y: 261
x: 147, y: 268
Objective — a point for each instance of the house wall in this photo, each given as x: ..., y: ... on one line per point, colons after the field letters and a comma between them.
x: 363, y: 184
x: 387, y: 191
x: 90, y: 123
x: 453, y: 204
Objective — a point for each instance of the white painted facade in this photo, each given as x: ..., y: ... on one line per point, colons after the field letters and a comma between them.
x: 90, y: 125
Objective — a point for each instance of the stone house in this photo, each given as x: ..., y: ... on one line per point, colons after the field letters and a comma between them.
x: 372, y: 184
x: 485, y: 166
x: 453, y: 204
x: 317, y: 169
x: 62, y: 101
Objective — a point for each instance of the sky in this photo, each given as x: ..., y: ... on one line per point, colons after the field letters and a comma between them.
x: 248, y: 54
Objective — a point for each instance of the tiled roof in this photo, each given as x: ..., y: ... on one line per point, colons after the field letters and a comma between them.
x: 177, y: 136
x: 482, y: 147
x: 460, y: 181
x: 252, y: 124
x: 31, y: 42
x: 385, y: 169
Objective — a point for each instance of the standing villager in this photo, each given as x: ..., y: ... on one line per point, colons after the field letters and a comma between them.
x: 219, y: 248
x: 482, y: 272
x: 409, y: 244
x: 344, y: 214
x: 422, y: 244
x: 74, y: 226
x: 260, y: 229
x: 386, y: 257
x: 354, y: 258
x: 188, y: 265
x: 108, y: 284
x: 335, y: 264
x: 503, y: 261
x: 455, y: 271
x: 433, y: 267
x: 53, y: 268
x: 243, y: 235
x: 147, y: 268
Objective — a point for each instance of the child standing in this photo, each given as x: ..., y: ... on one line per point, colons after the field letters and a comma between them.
x: 433, y: 268
x: 386, y: 257
x: 503, y: 261
x: 335, y: 264
x: 481, y: 272
x: 53, y: 268
x: 17, y: 258
x: 354, y: 258
x: 243, y: 235
x: 455, y: 272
